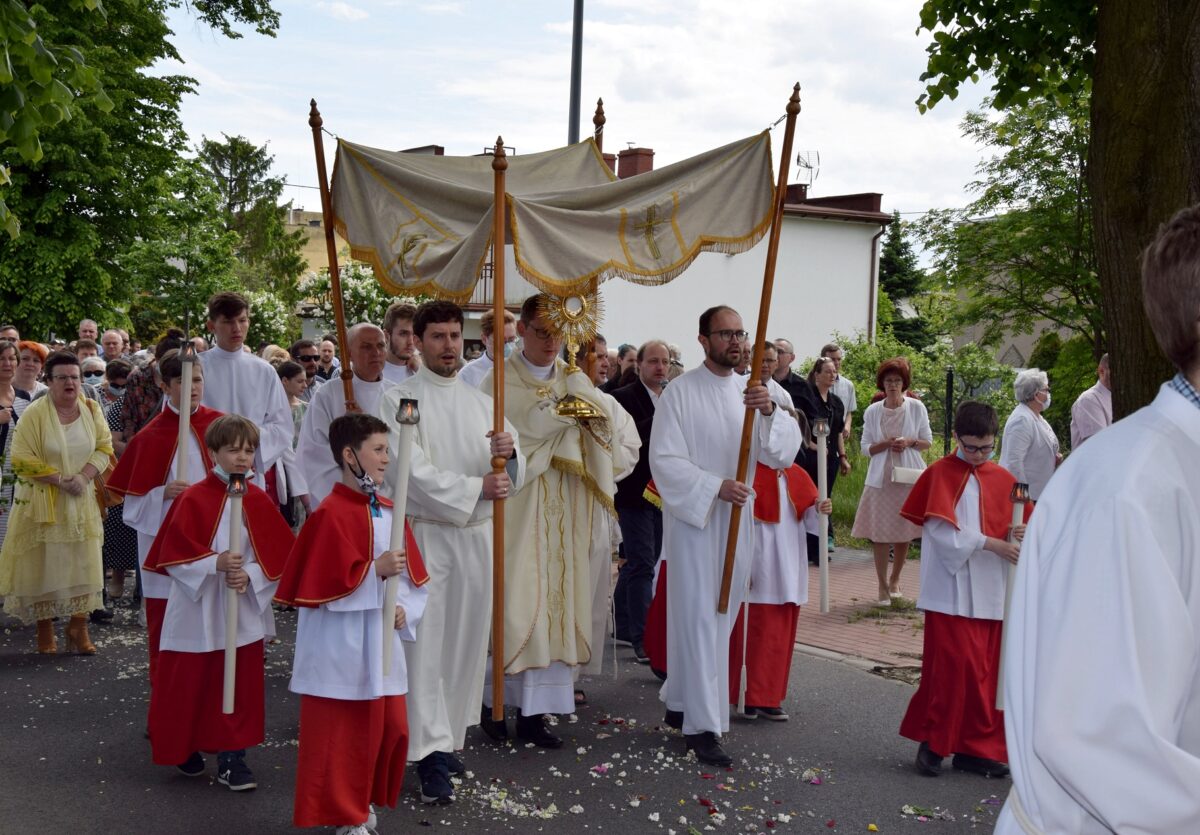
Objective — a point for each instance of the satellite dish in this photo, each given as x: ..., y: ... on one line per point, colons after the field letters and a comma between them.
x: 809, y: 163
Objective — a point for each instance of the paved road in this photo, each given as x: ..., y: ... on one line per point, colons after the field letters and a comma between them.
x: 73, y: 760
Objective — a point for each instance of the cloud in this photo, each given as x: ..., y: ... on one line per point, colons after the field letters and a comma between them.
x: 343, y: 11
x: 442, y: 8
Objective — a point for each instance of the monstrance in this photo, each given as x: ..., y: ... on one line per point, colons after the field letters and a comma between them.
x: 576, y: 319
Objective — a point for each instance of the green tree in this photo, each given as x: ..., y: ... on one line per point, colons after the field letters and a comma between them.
x: 270, y: 255
x: 187, y: 256
x: 1022, y: 252
x: 363, y: 298
x: 88, y: 198
x: 902, y: 280
x: 1135, y: 60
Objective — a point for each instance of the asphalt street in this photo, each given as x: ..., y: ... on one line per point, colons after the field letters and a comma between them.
x: 74, y: 759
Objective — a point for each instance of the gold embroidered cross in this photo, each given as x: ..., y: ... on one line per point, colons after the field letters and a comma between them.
x: 652, y: 220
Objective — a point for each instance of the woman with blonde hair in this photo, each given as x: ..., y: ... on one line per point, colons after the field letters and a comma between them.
x: 895, y: 431
x: 50, y: 563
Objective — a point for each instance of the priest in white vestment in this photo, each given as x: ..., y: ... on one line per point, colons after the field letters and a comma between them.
x: 1102, y: 661
x: 238, y: 383
x: 569, y: 481
x: 451, y: 488
x: 694, y: 448
x: 367, y: 346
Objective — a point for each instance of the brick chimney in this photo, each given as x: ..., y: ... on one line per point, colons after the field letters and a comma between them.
x: 611, y: 161
x: 634, y: 161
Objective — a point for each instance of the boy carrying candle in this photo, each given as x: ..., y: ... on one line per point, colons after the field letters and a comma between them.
x: 963, y: 502
x: 353, y: 719
x: 192, y: 549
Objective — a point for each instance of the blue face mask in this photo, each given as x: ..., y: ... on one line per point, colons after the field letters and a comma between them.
x: 508, y: 349
x: 93, y: 379
x: 220, y: 473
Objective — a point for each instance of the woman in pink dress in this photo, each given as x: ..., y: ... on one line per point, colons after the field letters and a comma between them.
x: 895, y: 431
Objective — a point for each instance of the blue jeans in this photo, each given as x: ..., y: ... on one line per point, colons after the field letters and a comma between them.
x: 641, y: 530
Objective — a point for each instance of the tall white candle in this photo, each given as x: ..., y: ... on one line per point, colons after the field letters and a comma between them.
x: 188, y: 356
x: 408, y: 417
x: 821, y: 431
x: 1020, y: 495
x: 237, y: 487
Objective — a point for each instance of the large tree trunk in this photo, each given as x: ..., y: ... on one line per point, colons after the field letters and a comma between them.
x: 1144, y: 165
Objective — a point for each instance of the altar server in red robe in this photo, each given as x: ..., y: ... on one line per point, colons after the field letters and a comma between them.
x: 192, y: 549
x: 963, y: 504
x: 785, y: 506
x: 353, y: 719
x: 146, y: 476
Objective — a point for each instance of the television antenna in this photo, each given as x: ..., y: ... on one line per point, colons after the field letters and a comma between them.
x: 809, y: 163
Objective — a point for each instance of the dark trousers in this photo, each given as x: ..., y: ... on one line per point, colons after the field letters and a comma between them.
x: 641, y: 530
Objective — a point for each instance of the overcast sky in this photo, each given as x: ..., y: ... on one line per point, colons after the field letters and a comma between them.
x: 678, y: 76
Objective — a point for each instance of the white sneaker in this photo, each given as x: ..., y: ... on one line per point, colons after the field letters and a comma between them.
x: 361, y: 829
x: 371, y: 819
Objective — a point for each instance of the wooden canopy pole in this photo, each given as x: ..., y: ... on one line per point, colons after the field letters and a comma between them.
x: 598, y: 120
x: 499, y: 166
x: 764, y: 311
x: 335, y: 282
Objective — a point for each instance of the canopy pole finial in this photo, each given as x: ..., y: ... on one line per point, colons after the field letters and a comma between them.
x: 599, y: 121
x: 335, y: 281
x: 764, y: 312
x: 499, y: 166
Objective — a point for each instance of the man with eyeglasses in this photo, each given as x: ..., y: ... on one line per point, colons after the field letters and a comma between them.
x: 549, y: 528
x: 694, y: 447
x: 304, y: 351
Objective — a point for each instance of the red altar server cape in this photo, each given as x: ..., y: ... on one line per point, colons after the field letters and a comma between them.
x: 801, y: 492
x: 191, y: 524
x: 937, y: 491
x: 146, y: 462
x: 333, y: 553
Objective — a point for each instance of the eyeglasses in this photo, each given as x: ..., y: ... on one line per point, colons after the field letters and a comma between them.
x: 977, y: 450
x: 62, y: 377
x: 729, y: 335
x: 308, y: 358
x: 543, y: 334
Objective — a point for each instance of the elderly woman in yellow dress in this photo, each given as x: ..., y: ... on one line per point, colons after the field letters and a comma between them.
x: 50, y: 562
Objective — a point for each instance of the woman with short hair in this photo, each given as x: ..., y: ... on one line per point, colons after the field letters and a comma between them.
x: 1029, y: 447
x: 50, y: 562
x: 31, y: 357
x: 12, y: 404
x: 895, y: 431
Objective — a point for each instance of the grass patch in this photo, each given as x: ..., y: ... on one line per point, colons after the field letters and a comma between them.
x: 901, y: 609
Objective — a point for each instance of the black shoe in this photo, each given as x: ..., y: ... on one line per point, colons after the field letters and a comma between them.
x: 707, y: 749
x: 233, y: 772
x: 979, y: 765
x: 622, y: 641
x: 674, y: 719
x: 496, y: 731
x: 533, y: 729
x: 928, y: 763
x: 775, y: 714
x: 453, y: 764
x: 748, y: 714
x: 435, y: 780
x: 639, y: 653
x: 194, y: 767
x: 101, y: 616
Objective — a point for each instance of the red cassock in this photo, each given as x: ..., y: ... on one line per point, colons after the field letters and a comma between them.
x: 954, y: 708
x: 186, y: 697
x: 772, y: 636
x: 145, y: 465
x: 352, y: 753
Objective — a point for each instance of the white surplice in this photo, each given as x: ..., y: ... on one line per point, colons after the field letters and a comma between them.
x: 339, y: 645
x: 195, y: 617
x: 395, y: 373
x: 473, y: 372
x: 315, y: 458
x: 693, y: 448
x: 1102, y: 659
x: 779, y: 572
x: 452, y: 524
x: 238, y: 383
x: 145, y: 515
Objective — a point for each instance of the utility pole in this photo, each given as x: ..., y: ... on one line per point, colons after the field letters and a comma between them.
x: 576, y: 73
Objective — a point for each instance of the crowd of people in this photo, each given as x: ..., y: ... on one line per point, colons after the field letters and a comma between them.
x: 274, y: 490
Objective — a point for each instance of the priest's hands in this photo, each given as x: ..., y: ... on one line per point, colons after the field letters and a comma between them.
x: 503, y: 445
x: 496, y: 486
x: 825, y: 507
x: 734, y: 492
x: 1004, y: 549
x: 390, y: 563
x: 401, y: 618
x: 757, y: 397
x: 173, y: 488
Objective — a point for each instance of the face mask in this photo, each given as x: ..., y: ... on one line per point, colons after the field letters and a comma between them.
x: 1046, y: 402
x: 93, y: 379
x: 220, y: 473
x: 366, y: 484
x: 116, y: 391
x: 508, y: 349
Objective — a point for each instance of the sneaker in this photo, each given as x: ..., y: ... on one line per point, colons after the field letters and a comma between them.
x: 435, y: 780
x: 372, y: 821
x: 831, y: 548
x: 775, y: 714
x: 233, y: 772
x: 639, y: 653
x: 748, y: 713
x: 194, y: 767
